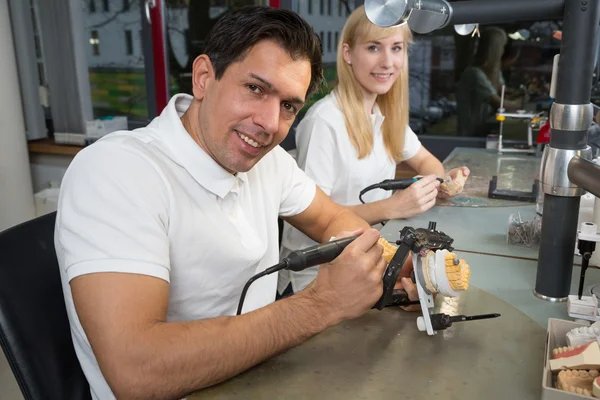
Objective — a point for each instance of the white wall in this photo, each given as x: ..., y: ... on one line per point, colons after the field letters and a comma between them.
x: 111, y: 26
x: 325, y: 23
x: 16, y: 193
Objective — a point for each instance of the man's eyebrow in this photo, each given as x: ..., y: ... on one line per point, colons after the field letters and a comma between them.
x: 269, y: 85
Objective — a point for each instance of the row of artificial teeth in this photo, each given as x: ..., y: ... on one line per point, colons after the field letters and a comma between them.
x: 577, y: 390
x: 564, y: 349
x: 582, y: 373
x: 249, y: 141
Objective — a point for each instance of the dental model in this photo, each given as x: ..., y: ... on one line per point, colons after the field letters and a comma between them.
x: 388, y: 249
x: 578, y: 357
x: 458, y: 272
x: 454, y: 186
x: 584, y: 334
x: 577, y: 381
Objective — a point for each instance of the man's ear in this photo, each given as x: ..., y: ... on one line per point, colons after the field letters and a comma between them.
x: 202, y: 75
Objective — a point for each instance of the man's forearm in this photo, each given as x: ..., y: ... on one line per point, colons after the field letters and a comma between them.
x: 344, y: 220
x: 173, y: 359
x: 374, y: 212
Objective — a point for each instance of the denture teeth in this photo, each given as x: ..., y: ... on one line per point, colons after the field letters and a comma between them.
x: 577, y: 381
x: 458, y: 273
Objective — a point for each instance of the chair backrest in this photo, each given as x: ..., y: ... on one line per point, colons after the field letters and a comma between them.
x: 34, y: 328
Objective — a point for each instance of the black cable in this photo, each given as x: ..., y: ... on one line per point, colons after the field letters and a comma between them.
x: 367, y: 189
x: 267, y: 271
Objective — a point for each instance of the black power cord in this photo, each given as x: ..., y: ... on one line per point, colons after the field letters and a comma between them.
x: 282, y: 265
x: 299, y: 260
x: 391, y: 184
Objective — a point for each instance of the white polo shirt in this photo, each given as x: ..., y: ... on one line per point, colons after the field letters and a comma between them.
x: 325, y: 153
x: 152, y: 202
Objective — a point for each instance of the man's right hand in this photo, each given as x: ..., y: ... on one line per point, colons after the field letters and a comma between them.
x: 414, y: 200
x: 352, y: 283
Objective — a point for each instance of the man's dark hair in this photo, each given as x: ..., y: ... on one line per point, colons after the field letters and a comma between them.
x: 236, y: 32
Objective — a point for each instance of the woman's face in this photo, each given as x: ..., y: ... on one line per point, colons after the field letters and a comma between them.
x: 376, y: 64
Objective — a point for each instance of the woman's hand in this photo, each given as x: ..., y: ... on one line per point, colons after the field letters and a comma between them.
x: 459, y: 177
x: 416, y: 199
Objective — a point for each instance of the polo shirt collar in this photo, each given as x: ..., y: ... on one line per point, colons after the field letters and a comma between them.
x: 187, y: 153
x: 376, y: 118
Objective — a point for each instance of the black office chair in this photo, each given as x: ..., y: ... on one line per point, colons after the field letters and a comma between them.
x: 34, y: 329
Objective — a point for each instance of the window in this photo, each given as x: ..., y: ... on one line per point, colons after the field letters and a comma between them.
x: 125, y: 5
x: 337, y: 38
x: 106, y: 7
x: 128, y: 43
x: 328, y: 7
x: 95, y: 42
x: 322, y: 35
x: 310, y: 7
x: 322, y: 7
x: 92, y: 6
x: 329, y: 41
x: 340, y: 6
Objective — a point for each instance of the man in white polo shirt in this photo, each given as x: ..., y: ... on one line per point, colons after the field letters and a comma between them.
x: 158, y: 229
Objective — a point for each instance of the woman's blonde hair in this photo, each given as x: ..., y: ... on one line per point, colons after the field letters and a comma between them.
x: 393, y: 104
x: 489, y: 53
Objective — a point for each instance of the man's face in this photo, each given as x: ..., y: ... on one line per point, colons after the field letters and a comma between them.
x: 251, y: 108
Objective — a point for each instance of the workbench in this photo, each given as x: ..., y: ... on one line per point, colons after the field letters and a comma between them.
x: 383, y: 355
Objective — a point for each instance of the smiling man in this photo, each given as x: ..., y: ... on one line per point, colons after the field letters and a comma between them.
x: 159, y: 228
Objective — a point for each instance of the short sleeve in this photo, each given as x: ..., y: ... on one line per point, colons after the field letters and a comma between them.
x: 317, y: 152
x: 298, y: 190
x: 412, y: 144
x: 482, y: 84
x: 113, y: 214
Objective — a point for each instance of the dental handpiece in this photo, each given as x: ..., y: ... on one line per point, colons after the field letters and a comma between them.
x: 320, y: 254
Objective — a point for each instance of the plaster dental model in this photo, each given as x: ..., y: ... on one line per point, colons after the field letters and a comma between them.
x: 458, y: 272
x: 388, y: 249
x: 584, y: 334
x: 577, y: 381
x: 578, y: 357
x: 454, y: 186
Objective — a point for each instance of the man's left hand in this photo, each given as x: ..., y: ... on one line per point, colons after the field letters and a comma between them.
x: 404, y: 282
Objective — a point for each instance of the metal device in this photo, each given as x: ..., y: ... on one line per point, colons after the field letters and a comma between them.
x: 570, y: 116
x: 430, y: 278
x: 516, y: 195
x: 429, y: 248
x: 529, y: 118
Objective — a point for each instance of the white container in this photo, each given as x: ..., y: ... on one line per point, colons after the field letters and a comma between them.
x: 46, y: 201
x: 491, y: 142
x: 97, y: 128
x: 595, y: 260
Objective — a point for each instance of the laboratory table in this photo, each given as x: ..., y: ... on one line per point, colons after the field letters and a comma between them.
x: 382, y: 355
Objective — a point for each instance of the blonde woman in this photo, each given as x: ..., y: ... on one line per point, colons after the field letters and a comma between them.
x: 356, y: 135
x: 479, y: 88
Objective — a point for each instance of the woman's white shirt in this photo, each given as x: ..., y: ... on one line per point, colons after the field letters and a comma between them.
x: 325, y: 153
